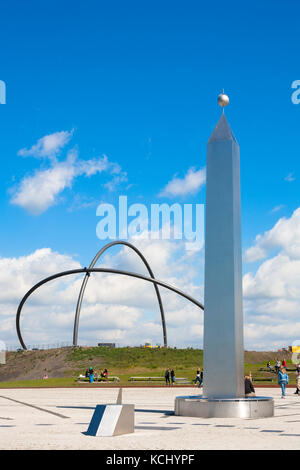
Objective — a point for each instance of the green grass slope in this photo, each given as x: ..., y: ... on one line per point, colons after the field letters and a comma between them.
x: 63, y: 366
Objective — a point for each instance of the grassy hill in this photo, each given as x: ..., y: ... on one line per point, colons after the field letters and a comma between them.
x: 65, y: 364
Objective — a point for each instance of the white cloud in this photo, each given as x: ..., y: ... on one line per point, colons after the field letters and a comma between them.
x: 48, y: 146
x: 277, y: 208
x: 38, y: 192
x: 290, y: 178
x: 115, y: 308
x: 17, y: 275
x: 116, y: 181
x: 125, y: 310
x: 284, y: 235
x: 272, y: 293
x: 190, y: 184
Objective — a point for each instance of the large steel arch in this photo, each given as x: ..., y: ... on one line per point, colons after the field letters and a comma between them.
x: 96, y: 270
x: 86, y: 278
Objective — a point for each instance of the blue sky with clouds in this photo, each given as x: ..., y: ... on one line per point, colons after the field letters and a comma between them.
x: 119, y: 98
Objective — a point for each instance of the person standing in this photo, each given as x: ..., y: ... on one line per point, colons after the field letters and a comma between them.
x: 249, y: 389
x: 167, y: 377
x: 297, y: 392
x: 91, y: 374
x: 284, y: 363
x: 277, y: 366
x: 172, y: 374
x: 283, y: 380
x: 201, y: 379
x: 197, y: 379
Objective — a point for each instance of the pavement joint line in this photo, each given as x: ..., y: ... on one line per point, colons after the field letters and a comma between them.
x: 34, y: 406
x: 272, y: 430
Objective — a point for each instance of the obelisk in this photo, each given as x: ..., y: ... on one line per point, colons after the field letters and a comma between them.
x: 223, y: 378
x: 223, y: 312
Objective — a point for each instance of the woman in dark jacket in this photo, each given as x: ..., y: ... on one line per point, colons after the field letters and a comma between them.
x: 172, y: 373
x: 249, y: 389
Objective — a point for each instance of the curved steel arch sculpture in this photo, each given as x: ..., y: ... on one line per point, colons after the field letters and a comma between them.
x: 100, y: 270
x: 86, y: 278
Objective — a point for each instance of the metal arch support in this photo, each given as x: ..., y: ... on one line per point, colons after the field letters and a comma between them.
x: 86, y: 278
x: 97, y: 270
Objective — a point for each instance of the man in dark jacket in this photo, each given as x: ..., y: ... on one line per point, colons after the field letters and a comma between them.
x: 167, y: 377
x: 249, y: 389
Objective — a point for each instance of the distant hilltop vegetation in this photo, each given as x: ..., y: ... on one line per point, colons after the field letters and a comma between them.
x: 123, y: 362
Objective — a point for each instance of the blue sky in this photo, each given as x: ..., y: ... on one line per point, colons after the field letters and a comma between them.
x: 138, y: 82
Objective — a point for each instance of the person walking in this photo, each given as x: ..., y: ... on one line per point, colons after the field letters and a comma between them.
x: 197, y: 379
x: 283, y: 380
x: 201, y: 379
x: 297, y: 392
x: 167, y: 377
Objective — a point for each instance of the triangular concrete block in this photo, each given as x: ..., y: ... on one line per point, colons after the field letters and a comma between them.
x: 112, y: 420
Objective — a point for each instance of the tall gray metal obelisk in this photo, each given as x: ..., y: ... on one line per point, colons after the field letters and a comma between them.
x: 223, y: 389
x: 223, y: 314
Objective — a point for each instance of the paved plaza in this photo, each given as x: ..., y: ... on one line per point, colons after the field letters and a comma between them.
x: 59, y: 418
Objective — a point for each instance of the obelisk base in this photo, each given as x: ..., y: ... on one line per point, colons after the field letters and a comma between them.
x: 248, y: 408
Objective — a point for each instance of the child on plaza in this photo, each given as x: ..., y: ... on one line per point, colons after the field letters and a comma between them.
x: 283, y: 380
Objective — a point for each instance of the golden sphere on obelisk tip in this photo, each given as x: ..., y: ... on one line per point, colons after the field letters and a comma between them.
x: 223, y: 100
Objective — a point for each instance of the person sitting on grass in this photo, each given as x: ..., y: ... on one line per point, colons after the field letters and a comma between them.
x: 104, y: 374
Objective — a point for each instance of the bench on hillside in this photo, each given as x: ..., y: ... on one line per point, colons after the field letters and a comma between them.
x: 83, y: 378
x: 158, y: 379
x: 263, y: 369
x: 262, y: 379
